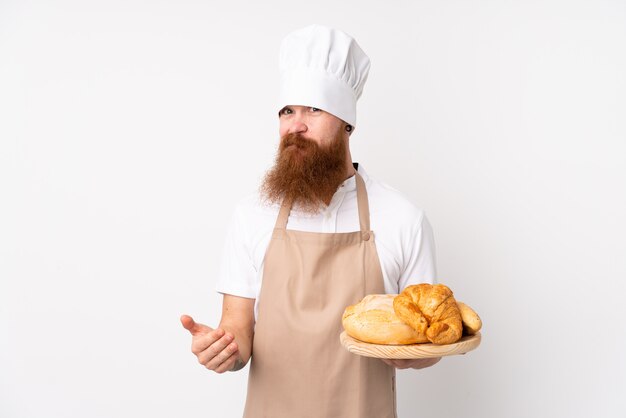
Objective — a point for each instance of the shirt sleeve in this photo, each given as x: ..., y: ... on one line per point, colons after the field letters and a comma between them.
x: 237, y: 274
x: 420, y: 265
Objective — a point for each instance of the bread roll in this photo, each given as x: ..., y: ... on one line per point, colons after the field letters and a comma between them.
x: 471, y: 321
x: 373, y: 320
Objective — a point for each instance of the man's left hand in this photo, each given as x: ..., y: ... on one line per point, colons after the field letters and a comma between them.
x: 419, y: 363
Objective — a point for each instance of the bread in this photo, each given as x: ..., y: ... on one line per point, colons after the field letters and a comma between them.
x: 373, y: 320
x: 420, y: 314
x: 430, y: 309
x: 471, y: 321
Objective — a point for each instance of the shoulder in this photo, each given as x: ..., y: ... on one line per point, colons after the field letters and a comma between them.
x: 253, y: 217
x: 392, y: 206
x: 252, y: 206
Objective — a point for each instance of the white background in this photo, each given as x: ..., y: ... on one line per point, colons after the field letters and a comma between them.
x: 129, y: 130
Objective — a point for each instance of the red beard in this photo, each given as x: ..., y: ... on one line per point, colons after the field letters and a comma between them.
x: 306, y: 173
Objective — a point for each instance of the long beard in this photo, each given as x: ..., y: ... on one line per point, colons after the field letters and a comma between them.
x: 305, y: 173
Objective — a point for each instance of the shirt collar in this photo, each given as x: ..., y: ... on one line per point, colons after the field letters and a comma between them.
x: 350, y: 183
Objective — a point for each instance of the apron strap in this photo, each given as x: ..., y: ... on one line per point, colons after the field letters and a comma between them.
x: 283, y: 215
x: 362, y: 201
x: 364, y: 208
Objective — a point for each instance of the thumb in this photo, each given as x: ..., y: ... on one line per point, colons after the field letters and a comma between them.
x: 193, y: 327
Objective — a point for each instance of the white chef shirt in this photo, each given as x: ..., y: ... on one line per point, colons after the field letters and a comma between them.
x: 403, y: 237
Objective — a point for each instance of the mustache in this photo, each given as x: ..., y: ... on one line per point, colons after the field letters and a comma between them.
x: 298, y: 140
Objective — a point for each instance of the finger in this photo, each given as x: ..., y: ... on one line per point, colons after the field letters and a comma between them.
x: 214, y: 349
x: 193, y: 327
x: 397, y: 363
x: 188, y: 322
x: 228, y: 364
x: 217, y: 362
x: 201, y: 342
x: 402, y: 364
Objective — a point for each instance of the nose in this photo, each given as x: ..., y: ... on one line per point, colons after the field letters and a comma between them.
x: 297, y: 125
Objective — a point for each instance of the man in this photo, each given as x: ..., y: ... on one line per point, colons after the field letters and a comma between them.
x: 295, y: 258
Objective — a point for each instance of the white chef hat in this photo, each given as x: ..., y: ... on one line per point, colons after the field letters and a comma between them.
x: 324, y: 68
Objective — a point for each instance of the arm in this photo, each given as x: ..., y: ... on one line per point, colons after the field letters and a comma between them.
x: 228, y: 347
x: 421, y: 267
x: 238, y: 322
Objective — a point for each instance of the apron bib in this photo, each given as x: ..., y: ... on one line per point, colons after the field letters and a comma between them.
x: 298, y: 367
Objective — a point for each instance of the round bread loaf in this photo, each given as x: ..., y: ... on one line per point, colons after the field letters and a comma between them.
x: 373, y: 320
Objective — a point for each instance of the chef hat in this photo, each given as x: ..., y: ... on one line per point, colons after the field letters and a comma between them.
x: 324, y: 68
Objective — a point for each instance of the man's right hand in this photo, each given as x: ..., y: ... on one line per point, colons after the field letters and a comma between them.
x: 214, y: 348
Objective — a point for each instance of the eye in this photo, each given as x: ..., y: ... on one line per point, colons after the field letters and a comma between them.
x: 315, y: 109
x: 285, y: 111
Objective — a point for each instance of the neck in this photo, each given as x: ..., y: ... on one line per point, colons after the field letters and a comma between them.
x: 350, y: 171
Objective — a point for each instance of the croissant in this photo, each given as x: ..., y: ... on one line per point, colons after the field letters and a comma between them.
x: 430, y: 310
x: 373, y: 320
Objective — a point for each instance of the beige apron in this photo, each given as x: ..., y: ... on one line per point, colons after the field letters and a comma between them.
x: 298, y: 367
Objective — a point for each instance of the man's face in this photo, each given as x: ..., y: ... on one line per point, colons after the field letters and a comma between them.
x: 310, y: 122
x: 311, y: 160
